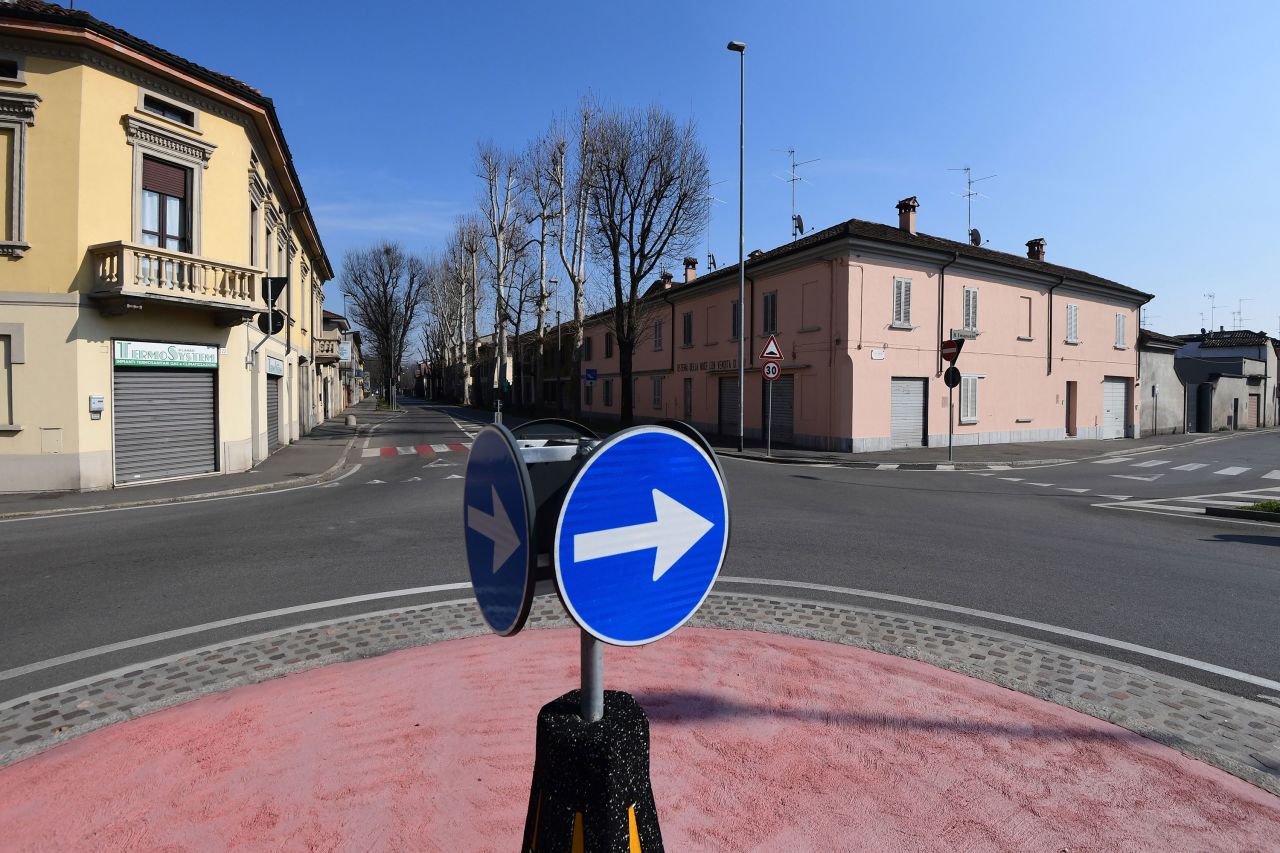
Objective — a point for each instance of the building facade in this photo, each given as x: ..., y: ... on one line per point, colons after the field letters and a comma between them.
x: 1229, y: 380
x: 148, y: 200
x: 859, y: 311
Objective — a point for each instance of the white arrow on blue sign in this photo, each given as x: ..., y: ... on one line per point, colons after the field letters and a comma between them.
x: 641, y: 536
x: 498, y: 507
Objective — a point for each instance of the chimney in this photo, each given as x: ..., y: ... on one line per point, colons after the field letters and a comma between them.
x: 666, y: 280
x: 690, y: 269
x: 1035, y: 249
x: 907, y: 214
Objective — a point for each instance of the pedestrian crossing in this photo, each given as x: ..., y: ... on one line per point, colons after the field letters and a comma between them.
x: 414, y: 450
x: 1196, y: 504
x: 1228, y: 471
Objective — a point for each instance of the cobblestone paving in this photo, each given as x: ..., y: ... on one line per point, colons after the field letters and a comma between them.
x: 1238, y: 735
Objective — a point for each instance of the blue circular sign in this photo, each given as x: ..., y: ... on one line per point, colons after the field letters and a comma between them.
x: 498, y: 524
x: 642, y: 535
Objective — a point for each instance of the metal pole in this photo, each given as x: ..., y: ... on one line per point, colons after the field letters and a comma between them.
x: 951, y: 419
x: 768, y: 441
x: 592, y: 678
x: 742, y: 246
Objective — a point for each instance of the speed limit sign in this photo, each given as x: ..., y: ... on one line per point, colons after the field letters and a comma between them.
x: 771, y: 370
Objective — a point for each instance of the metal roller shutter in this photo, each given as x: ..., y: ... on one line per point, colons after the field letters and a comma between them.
x: 1114, y: 402
x: 164, y: 423
x: 729, y: 405
x: 907, y: 422
x: 784, y: 401
x: 273, y: 413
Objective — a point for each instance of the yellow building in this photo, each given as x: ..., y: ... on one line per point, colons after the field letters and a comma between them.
x: 144, y: 202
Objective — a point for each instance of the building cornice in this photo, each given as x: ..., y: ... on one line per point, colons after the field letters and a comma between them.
x: 18, y: 107
x: 188, y: 147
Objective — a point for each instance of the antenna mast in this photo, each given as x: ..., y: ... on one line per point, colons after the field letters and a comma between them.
x: 1212, y: 308
x: 797, y: 224
x: 970, y: 193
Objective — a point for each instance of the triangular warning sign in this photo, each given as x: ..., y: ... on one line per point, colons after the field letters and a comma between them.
x: 771, y: 350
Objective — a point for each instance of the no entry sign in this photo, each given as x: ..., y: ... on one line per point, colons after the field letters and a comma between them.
x: 951, y: 349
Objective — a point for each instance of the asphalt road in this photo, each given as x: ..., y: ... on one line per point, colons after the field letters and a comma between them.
x: 1022, y: 548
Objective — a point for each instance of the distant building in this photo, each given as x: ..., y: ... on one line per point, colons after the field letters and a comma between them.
x: 143, y: 200
x: 1230, y: 377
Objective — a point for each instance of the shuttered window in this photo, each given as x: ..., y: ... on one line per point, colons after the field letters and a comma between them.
x: 902, y: 302
x: 1026, y: 313
x: 970, y: 309
x: 771, y: 313
x: 1120, y: 344
x: 657, y: 392
x: 1073, y: 324
x: 608, y: 344
x: 688, y: 328
x: 586, y: 349
x: 587, y: 394
x: 968, y: 399
x: 608, y: 392
x: 6, y: 407
x: 657, y: 335
x: 165, y: 205
x: 735, y: 320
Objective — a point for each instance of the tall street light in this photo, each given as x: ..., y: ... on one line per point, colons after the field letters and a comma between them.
x: 740, y: 48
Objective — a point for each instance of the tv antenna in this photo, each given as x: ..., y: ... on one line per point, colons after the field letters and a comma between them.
x: 797, y: 223
x: 1212, y: 308
x: 1239, y: 312
x: 970, y: 194
x: 711, y: 259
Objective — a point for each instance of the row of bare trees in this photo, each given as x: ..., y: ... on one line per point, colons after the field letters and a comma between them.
x: 604, y: 196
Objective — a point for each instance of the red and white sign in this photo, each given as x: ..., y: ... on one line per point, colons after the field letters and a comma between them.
x: 771, y: 370
x: 771, y: 350
x: 951, y: 349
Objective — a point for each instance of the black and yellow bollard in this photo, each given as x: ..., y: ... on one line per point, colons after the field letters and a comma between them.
x: 591, y: 790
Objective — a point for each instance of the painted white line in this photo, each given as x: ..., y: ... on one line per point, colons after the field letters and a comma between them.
x: 440, y: 448
x: 370, y: 451
x: 407, y: 451
x: 887, y: 467
x: 222, y: 623
x: 1223, y: 503
x: 998, y: 467
x: 1077, y: 491
x: 1116, y: 497
x: 1012, y: 479
x: 1150, y: 479
x: 1232, y: 471
x: 1191, y: 466
x: 1153, y: 506
x: 1041, y: 485
x: 1150, y: 463
x: 981, y: 474
x: 944, y: 468
x: 1112, y: 461
x: 1025, y: 623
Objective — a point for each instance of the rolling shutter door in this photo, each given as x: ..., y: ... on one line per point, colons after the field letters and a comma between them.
x: 907, y: 416
x: 273, y: 413
x: 728, y: 405
x: 164, y: 423
x: 1114, y: 400
x: 784, y: 396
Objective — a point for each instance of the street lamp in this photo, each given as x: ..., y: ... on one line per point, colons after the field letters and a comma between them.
x: 740, y: 48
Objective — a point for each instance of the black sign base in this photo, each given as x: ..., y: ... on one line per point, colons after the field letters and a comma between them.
x: 591, y: 791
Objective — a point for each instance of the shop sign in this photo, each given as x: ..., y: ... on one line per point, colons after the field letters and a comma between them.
x: 151, y: 354
x: 275, y: 366
x: 344, y: 352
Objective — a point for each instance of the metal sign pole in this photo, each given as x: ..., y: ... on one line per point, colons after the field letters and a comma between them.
x: 768, y: 436
x: 592, y: 678
x: 951, y: 419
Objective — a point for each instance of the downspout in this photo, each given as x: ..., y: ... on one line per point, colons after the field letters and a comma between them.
x: 942, y: 302
x: 1049, y: 356
x: 751, y: 330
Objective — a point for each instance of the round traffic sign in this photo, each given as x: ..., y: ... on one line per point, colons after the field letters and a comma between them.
x: 951, y: 376
x: 641, y: 536
x: 498, y: 511
x: 771, y: 370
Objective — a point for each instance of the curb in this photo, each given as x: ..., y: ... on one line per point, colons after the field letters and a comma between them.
x: 1250, y: 514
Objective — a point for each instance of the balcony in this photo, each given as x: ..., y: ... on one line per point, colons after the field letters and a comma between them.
x: 326, y: 347
x: 130, y: 276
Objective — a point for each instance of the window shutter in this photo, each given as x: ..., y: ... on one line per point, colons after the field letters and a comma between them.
x: 897, y: 302
x: 1073, y: 317
x: 165, y: 178
x: 906, y: 302
x: 1119, y: 330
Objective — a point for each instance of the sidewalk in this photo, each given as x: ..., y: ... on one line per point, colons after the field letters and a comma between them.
x: 312, y: 458
x: 766, y: 735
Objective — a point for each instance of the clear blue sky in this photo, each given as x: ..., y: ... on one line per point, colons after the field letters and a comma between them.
x: 1141, y: 139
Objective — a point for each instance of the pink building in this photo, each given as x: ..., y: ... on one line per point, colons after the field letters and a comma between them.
x: 859, y: 311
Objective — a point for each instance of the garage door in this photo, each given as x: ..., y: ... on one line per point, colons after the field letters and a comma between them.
x: 1255, y: 408
x: 907, y: 417
x: 784, y: 404
x: 729, y: 405
x: 164, y: 423
x: 273, y: 413
x: 1115, y: 399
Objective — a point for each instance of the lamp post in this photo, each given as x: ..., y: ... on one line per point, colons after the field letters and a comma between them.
x: 740, y: 48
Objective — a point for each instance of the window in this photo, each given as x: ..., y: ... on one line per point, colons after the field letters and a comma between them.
x: 608, y: 392
x: 657, y: 335
x: 771, y: 312
x: 968, y: 399
x: 1073, y: 324
x: 168, y: 109
x: 971, y: 309
x: 711, y: 326
x: 253, y: 234
x: 608, y: 344
x: 10, y: 69
x: 1120, y: 344
x: 657, y: 392
x: 735, y: 320
x: 587, y: 393
x: 586, y: 356
x: 6, y: 405
x: 165, y: 216
x: 688, y: 328
x: 1026, y: 315
x: 17, y: 113
x: 901, y: 303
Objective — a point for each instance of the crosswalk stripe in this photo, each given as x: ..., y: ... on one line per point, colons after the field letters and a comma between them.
x: 1112, y: 461
x: 1150, y: 463
x: 370, y: 451
x: 1192, y: 466
x: 1232, y: 471
x: 424, y: 450
x: 1274, y: 475
x: 440, y: 448
x: 406, y: 451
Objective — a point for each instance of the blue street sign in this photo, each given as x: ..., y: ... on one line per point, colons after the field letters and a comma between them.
x: 641, y: 536
x: 498, y: 522
x: 591, y: 374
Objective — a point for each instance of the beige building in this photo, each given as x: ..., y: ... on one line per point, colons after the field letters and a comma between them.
x: 145, y: 201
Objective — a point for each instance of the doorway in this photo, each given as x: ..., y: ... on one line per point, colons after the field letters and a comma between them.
x: 1072, y: 404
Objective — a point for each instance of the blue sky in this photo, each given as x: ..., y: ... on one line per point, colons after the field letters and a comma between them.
x: 1140, y: 139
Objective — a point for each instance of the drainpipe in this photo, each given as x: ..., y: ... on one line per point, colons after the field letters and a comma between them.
x: 1052, y: 288
x: 750, y: 333
x: 942, y: 277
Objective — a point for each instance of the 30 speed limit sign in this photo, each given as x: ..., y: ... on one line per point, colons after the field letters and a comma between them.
x: 771, y: 370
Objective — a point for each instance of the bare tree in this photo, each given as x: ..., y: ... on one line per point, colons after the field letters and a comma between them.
x: 538, y: 185
x: 385, y: 287
x: 648, y: 199
x: 443, y: 332
x: 462, y: 270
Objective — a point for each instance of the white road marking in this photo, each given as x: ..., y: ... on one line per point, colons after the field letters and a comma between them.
x: 1150, y: 479
x: 375, y: 482
x: 1224, y: 503
x: 944, y: 468
x: 1112, y: 461
x: 1274, y: 475
x: 412, y: 480
x: 454, y: 477
x: 1150, y: 463
x: 998, y: 467
x: 407, y: 451
x: 1077, y: 491
x: 887, y: 467
x: 981, y: 474
x: 1191, y: 663
x: 1232, y: 471
x: 221, y: 623
x: 1116, y: 497
x: 440, y: 448
x: 1041, y: 485
x: 1156, y: 505
x: 1191, y: 466
x: 1012, y: 479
